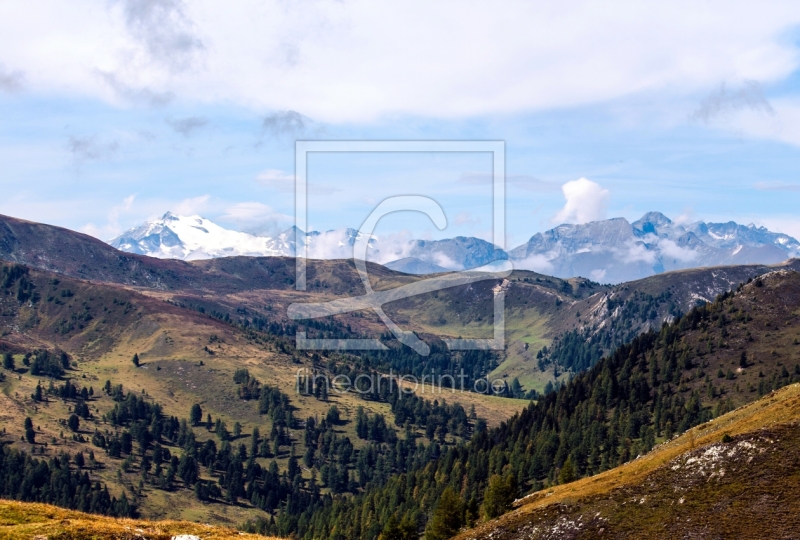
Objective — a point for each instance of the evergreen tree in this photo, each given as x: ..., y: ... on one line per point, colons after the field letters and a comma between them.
x: 499, y: 495
x: 74, y: 422
x: 135, y: 359
x: 30, y: 434
x: 567, y: 473
x: 448, y: 517
x: 8, y: 361
x: 395, y: 530
x: 196, y: 415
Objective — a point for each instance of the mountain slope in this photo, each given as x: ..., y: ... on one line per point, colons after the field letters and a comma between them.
x: 594, y: 326
x: 715, y: 358
x: 660, y: 384
x: 78, y: 255
x: 733, y: 477
x: 183, y: 358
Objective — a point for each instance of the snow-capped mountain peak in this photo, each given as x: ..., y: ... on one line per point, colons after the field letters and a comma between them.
x: 195, y: 237
x: 611, y: 250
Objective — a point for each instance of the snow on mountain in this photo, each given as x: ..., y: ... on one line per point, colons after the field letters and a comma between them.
x: 615, y: 250
x: 195, y: 237
x: 609, y: 251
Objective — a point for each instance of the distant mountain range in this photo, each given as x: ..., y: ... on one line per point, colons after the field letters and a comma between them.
x: 613, y: 251
x: 609, y: 251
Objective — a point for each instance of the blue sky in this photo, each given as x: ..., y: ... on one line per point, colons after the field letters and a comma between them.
x: 115, y: 112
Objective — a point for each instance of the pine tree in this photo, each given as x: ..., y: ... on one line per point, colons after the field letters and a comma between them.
x: 135, y: 359
x: 196, y: 414
x: 499, y: 495
x: 391, y: 531
x: 448, y: 517
x: 395, y: 530
x: 30, y: 434
x: 567, y: 473
x: 8, y: 361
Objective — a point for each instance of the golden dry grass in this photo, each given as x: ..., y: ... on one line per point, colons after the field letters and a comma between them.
x: 42, y: 521
x: 777, y: 408
x: 781, y: 406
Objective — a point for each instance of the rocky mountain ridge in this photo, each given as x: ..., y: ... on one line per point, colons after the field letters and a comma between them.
x: 608, y: 251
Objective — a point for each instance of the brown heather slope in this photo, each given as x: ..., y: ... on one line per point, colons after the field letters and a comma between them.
x: 20, y: 521
x: 733, y: 477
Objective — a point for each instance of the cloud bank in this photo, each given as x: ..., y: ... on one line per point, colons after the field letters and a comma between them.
x: 357, y: 61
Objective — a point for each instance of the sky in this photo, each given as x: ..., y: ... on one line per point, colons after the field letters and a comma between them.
x: 114, y: 112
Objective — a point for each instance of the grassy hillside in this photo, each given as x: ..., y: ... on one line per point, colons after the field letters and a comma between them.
x: 185, y: 358
x: 733, y: 477
x: 20, y: 521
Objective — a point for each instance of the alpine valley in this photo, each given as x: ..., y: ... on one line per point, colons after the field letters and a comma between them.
x: 158, y: 378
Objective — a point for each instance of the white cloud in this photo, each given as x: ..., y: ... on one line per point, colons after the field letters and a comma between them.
x: 440, y: 259
x: 586, y: 201
x: 536, y: 263
x: 686, y: 217
x: 112, y: 227
x: 636, y: 252
x: 672, y: 250
x: 187, y: 126
x: 359, y: 61
x: 192, y: 206
x: 783, y: 125
x: 597, y: 274
x: 776, y: 186
x: 283, y: 182
x: 256, y: 217
x: 466, y: 218
x: 277, y: 180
